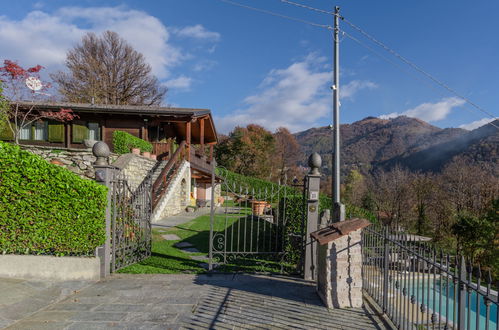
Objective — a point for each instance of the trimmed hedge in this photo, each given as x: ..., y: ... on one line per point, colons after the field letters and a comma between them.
x: 46, y: 209
x: 123, y: 142
x: 259, y: 186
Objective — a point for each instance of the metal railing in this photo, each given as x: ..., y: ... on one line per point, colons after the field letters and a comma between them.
x: 421, y: 287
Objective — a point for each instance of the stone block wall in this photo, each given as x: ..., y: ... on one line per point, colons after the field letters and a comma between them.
x: 79, y: 161
x: 339, y: 278
x: 176, y: 198
x: 135, y: 168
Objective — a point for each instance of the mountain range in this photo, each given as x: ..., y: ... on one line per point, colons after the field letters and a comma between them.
x: 373, y: 143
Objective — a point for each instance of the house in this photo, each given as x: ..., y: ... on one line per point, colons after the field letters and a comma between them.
x: 166, y: 128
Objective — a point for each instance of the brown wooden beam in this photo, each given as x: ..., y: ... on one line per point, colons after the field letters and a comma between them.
x: 188, y: 140
x: 67, y: 131
x: 201, y: 135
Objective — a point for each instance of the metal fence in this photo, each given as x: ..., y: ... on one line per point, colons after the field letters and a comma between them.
x: 130, y: 221
x: 421, y: 287
x: 253, y: 230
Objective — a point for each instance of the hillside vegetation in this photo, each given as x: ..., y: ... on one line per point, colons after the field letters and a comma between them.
x: 374, y: 143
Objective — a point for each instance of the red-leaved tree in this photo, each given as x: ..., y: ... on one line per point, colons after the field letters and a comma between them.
x: 23, y: 109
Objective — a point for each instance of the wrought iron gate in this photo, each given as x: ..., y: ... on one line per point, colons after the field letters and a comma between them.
x: 256, y: 229
x: 130, y: 221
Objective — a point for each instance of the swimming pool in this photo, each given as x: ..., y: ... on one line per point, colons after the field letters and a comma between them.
x: 442, y: 301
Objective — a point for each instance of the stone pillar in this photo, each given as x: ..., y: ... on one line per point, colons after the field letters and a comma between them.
x: 104, y: 174
x: 339, y: 268
x: 312, y: 186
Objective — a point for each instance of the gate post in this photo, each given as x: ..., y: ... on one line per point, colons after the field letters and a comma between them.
x: 312, y: 187
x: 103, y: 175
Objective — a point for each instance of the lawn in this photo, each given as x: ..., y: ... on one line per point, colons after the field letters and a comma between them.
x: 167, y: 259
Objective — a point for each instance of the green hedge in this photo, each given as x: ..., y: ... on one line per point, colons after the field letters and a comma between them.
x: 123, y: 142
x: 259, y: 186
x: 46, y: 209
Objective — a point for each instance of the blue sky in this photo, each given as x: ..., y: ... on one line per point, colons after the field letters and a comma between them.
x: 248, y: 67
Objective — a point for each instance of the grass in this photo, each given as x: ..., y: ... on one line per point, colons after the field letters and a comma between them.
x: 167, y: 259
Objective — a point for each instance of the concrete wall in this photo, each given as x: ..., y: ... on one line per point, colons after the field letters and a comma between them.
x: 50, y: 268
x: 135, y: 168
x: 79, y: 161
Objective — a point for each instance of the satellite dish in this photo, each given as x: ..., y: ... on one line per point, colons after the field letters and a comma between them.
x: 34, y: 83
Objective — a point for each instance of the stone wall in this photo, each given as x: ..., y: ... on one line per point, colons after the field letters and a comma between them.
x: 79, y: 161
x: 135, y: 168
x: 339, y: 275
x: 175, y: 199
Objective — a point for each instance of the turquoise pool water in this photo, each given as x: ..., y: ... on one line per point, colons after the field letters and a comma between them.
x: 438, y: 307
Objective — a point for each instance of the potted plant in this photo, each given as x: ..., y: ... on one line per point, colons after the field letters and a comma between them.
x: 258, y: 207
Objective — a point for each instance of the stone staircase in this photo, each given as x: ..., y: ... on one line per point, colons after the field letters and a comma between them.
x: 172, y: 200
x: 156, y: 171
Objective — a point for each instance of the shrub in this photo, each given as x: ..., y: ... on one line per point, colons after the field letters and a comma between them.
x: 46, y: 209
x: 123, y: 142
x: 253, y: 185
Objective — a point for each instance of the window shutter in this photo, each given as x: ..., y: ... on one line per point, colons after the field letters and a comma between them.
x: 56, y: 132
x: 80, y: 132
x: 6, y: 134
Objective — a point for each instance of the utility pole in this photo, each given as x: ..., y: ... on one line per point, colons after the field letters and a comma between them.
x: 338, y: 209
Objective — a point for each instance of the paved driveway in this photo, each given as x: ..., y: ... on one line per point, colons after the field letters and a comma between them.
x: 184, y: 302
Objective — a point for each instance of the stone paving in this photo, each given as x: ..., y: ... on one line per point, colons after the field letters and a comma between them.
x: 221, y: 301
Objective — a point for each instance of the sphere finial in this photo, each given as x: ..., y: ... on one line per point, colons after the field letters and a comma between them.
x: 315, y: 162
x: 101, y: 152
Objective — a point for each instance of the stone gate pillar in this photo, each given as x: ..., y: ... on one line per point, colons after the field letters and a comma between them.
x: 339, y: 263
x: 312, y: 187
x: 103, y: 175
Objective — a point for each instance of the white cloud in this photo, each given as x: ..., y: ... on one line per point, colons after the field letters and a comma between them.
x: 347, y: 91
x: 476, y: 123
x: 181, y: 82
x: 430, y: 111
x: 43, y: 38
x: 295, y: 97
x: 197, y: 32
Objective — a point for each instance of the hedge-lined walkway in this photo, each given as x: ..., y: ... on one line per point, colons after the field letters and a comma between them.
x: 184, y: 301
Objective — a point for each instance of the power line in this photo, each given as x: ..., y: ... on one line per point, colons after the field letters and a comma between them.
x: 412, y: 74
x: 396, y: 54
x: 417, y: 68
x: 308, y: 7
x: 324, y: 26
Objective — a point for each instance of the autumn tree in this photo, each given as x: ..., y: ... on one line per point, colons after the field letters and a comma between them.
x: 286, y: 154
x: 16, y: 112
x: 392, y: 195
x: 108, y: 70
x: 247, y: 151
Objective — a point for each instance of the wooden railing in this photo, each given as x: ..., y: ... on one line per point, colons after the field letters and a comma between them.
x: 167, y: 173
x: 200, y: 159
x: 161, y: 149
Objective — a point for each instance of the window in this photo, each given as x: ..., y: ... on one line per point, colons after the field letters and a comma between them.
x: 37, y: 131
x: 25, y: 133
x: 93, y: 131
x: 83, y: 130
x: 40, y: 129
